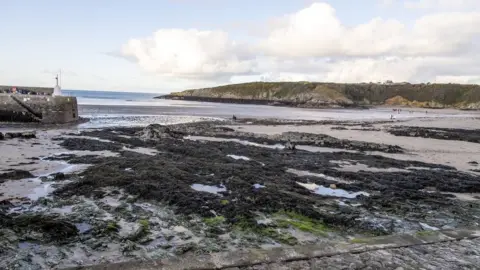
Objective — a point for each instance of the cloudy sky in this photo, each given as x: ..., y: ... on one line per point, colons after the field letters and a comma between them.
x: 169, y: 45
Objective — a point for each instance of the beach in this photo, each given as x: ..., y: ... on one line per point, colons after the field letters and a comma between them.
x: 153, y: 182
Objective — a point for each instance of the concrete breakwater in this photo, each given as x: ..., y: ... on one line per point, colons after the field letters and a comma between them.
x: 38, y: 108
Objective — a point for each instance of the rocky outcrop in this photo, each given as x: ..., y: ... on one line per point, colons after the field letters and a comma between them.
x: 15, y: 175
x: 157, y: 132
x: 318, y: 95
x: 22, y: 135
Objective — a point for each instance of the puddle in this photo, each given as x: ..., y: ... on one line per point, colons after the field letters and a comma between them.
x: 425, y: 168
x: 265, y: 221
x: 270, y: 246
x: 104, y: 153
x: 75, y: 168
x: 41, y: 191
x: 321, y: 190
x: 142, y: 150
x: 363, y: 167
x: 239, y: 157
x: 465, y: 196
x: 321, y: 175
x: 341, y: 203
x: 113, y: 202
x: 34, y: 188
x: 67, y: 209
x: 28, y: 245
x: 90, y: 138
x: 275, y: 146
x: 83, y: 227
x: 215, y: 139
x: 257, y: 186
x: 318, y: 149
x: 209, y: 189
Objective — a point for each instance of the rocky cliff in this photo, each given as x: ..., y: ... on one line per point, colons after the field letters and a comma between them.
x: 317, y: 95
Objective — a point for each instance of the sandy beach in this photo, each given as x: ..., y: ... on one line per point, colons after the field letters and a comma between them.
x: 81, y: 196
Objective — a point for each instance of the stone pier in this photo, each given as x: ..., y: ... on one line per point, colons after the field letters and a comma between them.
x: 38, y: 108
x: 448, y: 249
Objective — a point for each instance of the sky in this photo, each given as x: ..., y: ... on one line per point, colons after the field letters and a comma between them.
x: 170, y: 45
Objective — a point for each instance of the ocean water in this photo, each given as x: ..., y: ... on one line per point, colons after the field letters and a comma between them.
x: 127, y: 109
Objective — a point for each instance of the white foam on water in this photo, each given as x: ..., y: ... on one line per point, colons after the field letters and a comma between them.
x: 116, y: 120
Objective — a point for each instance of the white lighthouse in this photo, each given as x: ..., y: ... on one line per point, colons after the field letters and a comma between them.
x: 57, y: 91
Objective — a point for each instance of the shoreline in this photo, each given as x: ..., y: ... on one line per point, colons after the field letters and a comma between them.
x: 276, y: 103
x: 120, y: 194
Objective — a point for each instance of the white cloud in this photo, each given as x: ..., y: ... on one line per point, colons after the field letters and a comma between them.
x: 317, y: 32
x: 314, y: 44
x: 188, y: 53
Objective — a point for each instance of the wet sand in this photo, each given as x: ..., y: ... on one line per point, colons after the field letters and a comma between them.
x: 452, y: 153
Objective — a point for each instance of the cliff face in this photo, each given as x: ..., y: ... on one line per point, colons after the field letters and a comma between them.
x: 309, y: 94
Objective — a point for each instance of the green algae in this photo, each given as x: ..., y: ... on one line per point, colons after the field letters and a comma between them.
x: 303, y: 223
x: 214, y: 221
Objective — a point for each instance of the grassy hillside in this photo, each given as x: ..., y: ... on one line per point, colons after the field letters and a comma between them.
x: 311, y: 94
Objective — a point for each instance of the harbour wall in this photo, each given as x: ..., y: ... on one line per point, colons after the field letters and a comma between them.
x: 38, y: 108
x: 37, y: 90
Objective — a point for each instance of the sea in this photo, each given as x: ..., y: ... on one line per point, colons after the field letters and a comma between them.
x: 105, y: 108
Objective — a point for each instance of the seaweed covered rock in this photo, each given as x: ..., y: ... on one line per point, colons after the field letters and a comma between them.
x: 90, y: 145
x: 15, y: 175
x: 22, y: 135
x: 51, y: 228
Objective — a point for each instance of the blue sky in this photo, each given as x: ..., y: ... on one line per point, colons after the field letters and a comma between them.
x: 80, y: 37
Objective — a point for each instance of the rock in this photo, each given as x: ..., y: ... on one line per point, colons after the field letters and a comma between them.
x: 23, y: 135
x: 290, y: 146
x: 128, y: 247
x: 2, y: 137
x: 58, y: 176
x: 47, y: 228
x: 29, y: 135
x: 179, y: 250
x: 156, y: 132
x: 333, y: 186
x: 15, y: 175
x: 473, y: 163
